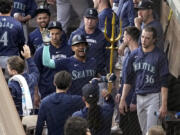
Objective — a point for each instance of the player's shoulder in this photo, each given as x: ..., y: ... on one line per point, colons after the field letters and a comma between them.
x: 34, y: 32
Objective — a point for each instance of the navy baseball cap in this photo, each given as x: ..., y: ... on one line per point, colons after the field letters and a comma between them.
x: 42, y: 9
x: 90, y: 92
x: 91, y: 13
x: 54, y: 25
x: 145, y: 4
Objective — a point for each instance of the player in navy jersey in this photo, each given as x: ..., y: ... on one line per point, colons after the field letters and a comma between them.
x: 23, y: 10
x: 95, y: 38
x: 11, y: 33
x: 146, y: 17
x: 99, y: 117
x: 16, y: 66
x: 130, y: 119
x: 81, y: 68
x: 105, y: 11
x: 148, y: 67
x: 58, y: 106
x: 58, y: 50
x: 35, y: 39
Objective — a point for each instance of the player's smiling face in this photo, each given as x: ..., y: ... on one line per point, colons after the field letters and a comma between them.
x: 42, y: 20
x: 80, y: 50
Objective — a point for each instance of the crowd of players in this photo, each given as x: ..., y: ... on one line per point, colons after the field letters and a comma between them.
x: 66, y: 76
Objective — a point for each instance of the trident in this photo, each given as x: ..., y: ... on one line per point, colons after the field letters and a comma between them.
x: 111, y: 40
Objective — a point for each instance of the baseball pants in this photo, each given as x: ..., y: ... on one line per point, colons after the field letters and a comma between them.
x: 146, y: 106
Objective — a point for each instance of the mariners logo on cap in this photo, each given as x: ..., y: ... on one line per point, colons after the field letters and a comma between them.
x: 79, y: 37
x: 54, y: 24
x: 91, y: 12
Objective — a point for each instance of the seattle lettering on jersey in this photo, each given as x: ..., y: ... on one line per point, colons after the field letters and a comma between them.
x: 143, y: 66
x: 5, y: 24
x: 58, y: 56
x: 147, y: 67
x: 83, y: 74
x: 20, y: 6
x: 91, y: 41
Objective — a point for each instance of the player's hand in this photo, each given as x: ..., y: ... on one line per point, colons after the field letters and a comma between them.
x: 105, y: 93
x: 121, y: 49
x: 26, y: 53
x: 117, y: 98
x: 94, y: 80
x: 138, y: 21
x: 162, y: 111
x: 37, y: 100
x: 133, y: 107
x: 123, y: 107
x: 111, y: 77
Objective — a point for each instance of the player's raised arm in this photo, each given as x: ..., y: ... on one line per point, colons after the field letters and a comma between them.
x: 47, y: 61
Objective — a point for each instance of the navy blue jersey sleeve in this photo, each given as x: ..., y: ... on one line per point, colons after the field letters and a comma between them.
x: 131, y: 13
x: 41, y: 119
x: 21, y: 38
x: 129, y: 72
x: 16, y: 94
x: 33, y: 71
x: 163, y: 71
x: 31, y: 8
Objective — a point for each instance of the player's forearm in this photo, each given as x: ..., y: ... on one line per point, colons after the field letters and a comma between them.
x: 47, y: 61
x: 164, y: 93
x: 125, y: 91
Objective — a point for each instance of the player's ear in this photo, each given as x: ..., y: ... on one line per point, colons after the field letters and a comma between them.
x: 73, y: 48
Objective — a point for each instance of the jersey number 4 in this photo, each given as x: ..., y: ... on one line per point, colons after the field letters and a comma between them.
x: 4, y: 38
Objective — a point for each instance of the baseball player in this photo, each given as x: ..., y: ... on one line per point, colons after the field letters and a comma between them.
x: 39, y: 35
x: 58, y: 50
x: 81, y: 68
x: 95, y: 38
x: 23, y: 10
x: 35, y: 39
x: 104, y: 11
x: 21, y: 84
x: 11, y: 33
x: 146, y: 18
x: 58, y: 106
x: 148, y: 66
x: 99, y: 117
x: 130, y: 119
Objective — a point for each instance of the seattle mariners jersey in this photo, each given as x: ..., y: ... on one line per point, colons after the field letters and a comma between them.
x: 131, y: 98
x: 55, y: 110
x: 149, y: 69
x: 47, y: 74
x: 106, y: 13
x: 24, y: 7
x: 81, y: 72
x: 31, y: 77
x: 126, y: 13
x: 11, y: 36
x: 97, y: 48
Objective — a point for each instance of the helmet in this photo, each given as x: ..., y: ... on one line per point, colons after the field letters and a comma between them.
x: 78, y: 39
